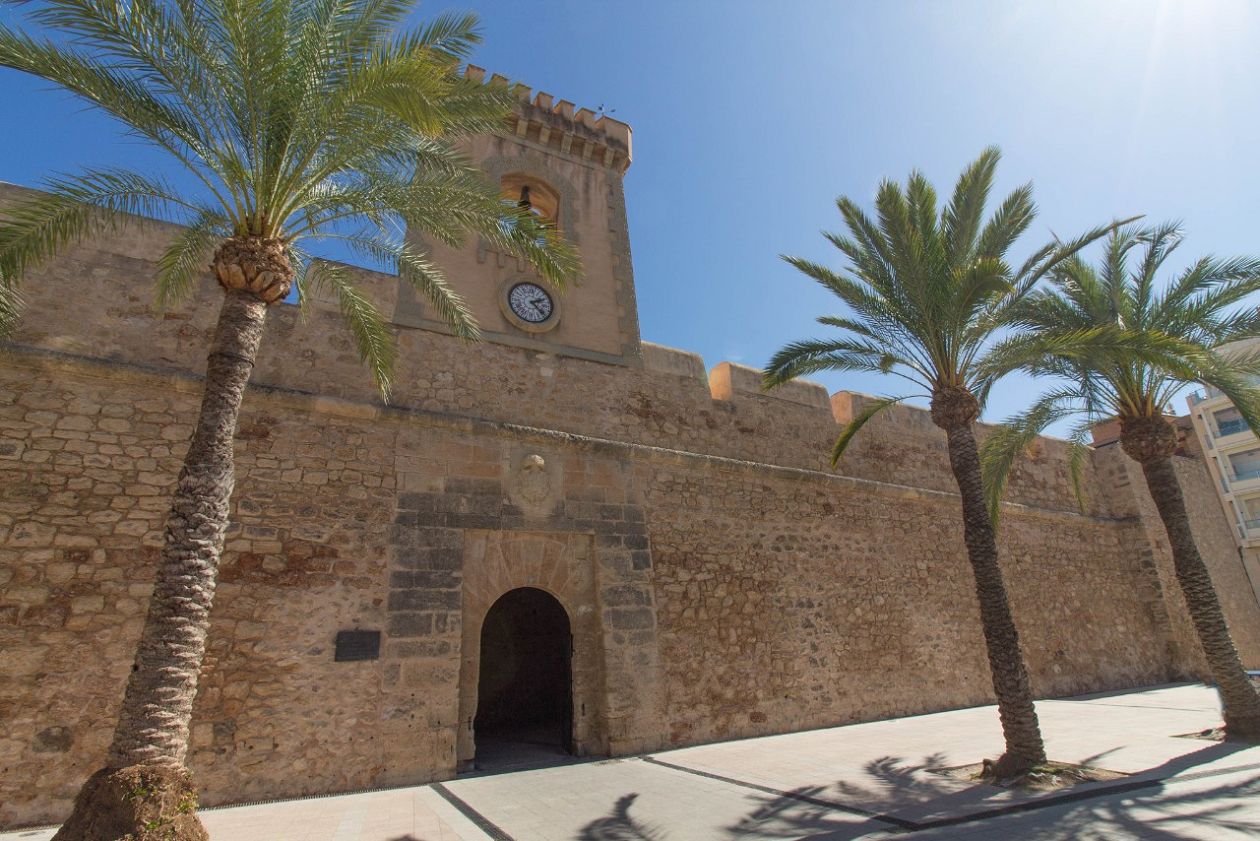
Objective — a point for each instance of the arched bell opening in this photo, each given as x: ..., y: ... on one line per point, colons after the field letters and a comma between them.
x: 533, y: 195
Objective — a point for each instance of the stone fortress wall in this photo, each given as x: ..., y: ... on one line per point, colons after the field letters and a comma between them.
x: 721, y: 579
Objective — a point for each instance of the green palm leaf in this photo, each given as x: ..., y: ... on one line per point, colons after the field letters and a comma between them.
x: 299, y: 120
x: 372, y: 336
x: 869, y: 411
x: 928, y: 290
x: 1128, y: 345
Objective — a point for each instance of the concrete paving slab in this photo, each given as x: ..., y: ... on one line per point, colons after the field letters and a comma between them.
x: 864, y: 781
x: 626, y: 799
x: 884, y: 767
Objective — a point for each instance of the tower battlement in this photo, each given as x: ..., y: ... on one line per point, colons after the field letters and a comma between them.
x: 559, y: 125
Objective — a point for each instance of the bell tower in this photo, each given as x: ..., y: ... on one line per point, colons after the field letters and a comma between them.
x: 566, y: 166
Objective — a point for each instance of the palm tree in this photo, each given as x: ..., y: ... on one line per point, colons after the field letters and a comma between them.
x: 297, y: 120
x: 927, y: 292
x: 1180, y: 327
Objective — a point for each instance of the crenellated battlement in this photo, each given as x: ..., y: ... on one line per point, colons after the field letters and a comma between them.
x: 672, y: 509
x: 560, y: 126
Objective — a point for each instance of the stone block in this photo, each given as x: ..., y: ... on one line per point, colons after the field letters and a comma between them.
x: 629, y: 620
x: 428, y: 559
x: 625, y: 596
x: 419, y: 599
x: 410, y: 624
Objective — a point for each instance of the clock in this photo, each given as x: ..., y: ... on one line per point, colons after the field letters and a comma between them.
x: 530, y: 303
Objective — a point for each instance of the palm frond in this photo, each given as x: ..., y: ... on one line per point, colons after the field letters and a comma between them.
x: 1161, y: 240
x: 1127, y: 350
x: 855, y: 425
x: 1204, y: 292
x: 1008, y: 223
x: 800, y: 359
x: 396, y: 256
x: 372, y: 336
x: 961, y: 220
x: 298, y: 119
x: 539, y: 242
x: 10, y: 307
x: 1046, y: 260
x: 1079, y: 451
x: 186, y: 258
x: 453, y: 35
x: 72, y: 207
x: 1089, y: 347
x: 1007, y: 442
x: 1235, y: 378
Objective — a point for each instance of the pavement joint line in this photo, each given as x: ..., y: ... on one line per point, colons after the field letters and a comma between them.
x: 1140, y: 706
x: 481, y: 821
x: 900, y: 823
x: 351, y: 823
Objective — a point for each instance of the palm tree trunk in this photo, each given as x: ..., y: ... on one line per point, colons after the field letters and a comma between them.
x: 152, y: 732
x: 1238, y: 696
x: 1020, y: 728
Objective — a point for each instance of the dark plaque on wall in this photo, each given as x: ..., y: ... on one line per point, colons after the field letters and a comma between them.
x: 357, y: 645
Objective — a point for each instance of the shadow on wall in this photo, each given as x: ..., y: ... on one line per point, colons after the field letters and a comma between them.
x: 835, y: 813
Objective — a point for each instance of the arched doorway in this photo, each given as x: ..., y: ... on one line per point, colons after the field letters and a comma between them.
x: 524, y: 688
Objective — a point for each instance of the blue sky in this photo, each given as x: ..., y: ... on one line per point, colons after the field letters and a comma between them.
x: 751, y: 117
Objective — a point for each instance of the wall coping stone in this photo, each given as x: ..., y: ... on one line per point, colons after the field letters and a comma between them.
x: 669, y: 360
x: 728, y: 379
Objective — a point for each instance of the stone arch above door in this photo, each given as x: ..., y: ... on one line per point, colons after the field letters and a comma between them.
x: 561, y: 564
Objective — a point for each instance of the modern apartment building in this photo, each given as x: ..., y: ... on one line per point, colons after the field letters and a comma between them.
x: 1232, y: 452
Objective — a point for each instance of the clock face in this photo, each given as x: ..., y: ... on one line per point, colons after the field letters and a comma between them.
x: 530, y: 302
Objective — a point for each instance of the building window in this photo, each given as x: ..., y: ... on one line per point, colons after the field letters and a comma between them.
x: 1229, y: 422
x: 1246, y: 465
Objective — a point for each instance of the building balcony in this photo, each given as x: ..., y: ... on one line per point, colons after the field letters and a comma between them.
x: 1244, y: 480
x: 1209, y: 398
x: 1235, y: 440
x: 1231, y: 434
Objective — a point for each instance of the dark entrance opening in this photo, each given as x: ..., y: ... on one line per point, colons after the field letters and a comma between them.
x: 524, y: 691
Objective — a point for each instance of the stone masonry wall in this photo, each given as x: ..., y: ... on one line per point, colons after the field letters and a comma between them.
x: 345, y: 517
x: 843, y: 602
x: 1216, y: 544
x: 86, y: 491
x: 720, y: 579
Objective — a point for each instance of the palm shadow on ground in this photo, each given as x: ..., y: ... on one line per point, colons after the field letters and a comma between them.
x: 617, y: 825
x: 1089, y: 812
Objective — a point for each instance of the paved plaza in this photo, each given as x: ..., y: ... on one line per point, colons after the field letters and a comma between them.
x: 863, y: 781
